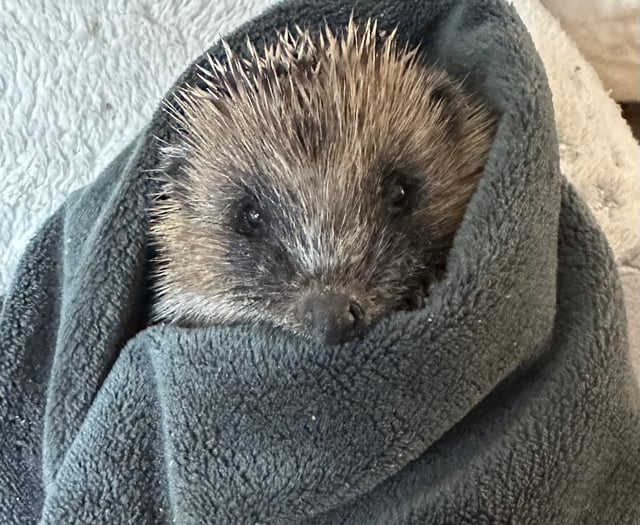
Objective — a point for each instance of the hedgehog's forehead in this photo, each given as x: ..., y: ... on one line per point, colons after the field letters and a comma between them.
x: 323, y: 133
x: 318, y: 157
x: 328, y: 91
x: 337, y: 173
x: 328, y: 132
x: 344, y: 105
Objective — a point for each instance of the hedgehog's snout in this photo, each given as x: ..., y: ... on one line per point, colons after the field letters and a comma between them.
x: 333, y: 317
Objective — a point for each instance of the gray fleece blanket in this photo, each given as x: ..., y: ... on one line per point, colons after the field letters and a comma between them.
x: 507, y: 399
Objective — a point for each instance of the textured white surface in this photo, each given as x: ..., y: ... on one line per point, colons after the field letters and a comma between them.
x: 607, y: 32
x: 598, y: 152
x: 79, y: 79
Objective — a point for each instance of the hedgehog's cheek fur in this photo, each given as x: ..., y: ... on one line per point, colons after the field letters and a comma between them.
x: 312, y: 312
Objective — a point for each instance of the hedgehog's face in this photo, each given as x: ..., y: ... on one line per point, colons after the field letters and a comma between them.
x: 319, y: 204
x: 321, y: 256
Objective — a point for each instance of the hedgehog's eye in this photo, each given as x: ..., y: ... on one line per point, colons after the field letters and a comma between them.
x: 399, y: 191
x: 250, y: 219
x: 253, y: 217
x: 398, y: 196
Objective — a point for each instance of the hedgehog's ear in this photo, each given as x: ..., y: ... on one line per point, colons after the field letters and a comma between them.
x: 173, y: 158
x: 172, y: 174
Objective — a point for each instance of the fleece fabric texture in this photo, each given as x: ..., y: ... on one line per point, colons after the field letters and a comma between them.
x: 598, y: 153
x: 508, y: 399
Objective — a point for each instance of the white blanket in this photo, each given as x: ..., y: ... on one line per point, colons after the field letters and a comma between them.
x: 78, y: 80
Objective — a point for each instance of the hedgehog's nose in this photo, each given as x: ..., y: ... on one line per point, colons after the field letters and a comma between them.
x: 333, y: 318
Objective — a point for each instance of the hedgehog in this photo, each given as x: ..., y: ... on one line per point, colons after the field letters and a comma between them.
x: 316, y: 186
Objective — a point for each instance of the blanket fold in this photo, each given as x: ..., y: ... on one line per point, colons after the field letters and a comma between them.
x: 507, y: 399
